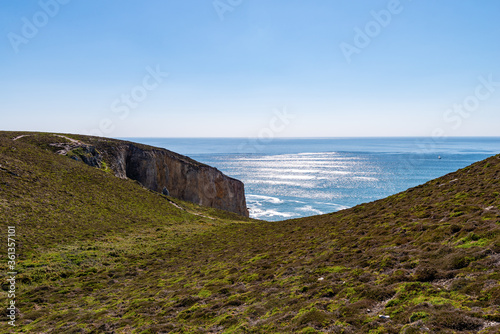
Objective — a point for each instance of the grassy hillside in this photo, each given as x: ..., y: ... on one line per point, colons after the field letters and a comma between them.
x: 103, y: 255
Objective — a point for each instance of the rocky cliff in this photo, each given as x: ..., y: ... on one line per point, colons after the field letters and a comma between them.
x: 162, y: 171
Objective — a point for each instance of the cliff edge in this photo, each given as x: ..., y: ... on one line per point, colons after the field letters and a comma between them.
x: 155, y: 168
x: 176, y: 175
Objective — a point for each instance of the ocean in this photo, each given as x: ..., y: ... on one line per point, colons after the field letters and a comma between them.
x: 292, y: 178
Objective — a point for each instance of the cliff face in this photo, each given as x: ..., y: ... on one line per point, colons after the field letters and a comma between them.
x: 173, y: 174
x: 155, y: 168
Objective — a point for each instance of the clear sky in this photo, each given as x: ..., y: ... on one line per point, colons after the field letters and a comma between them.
x: 248, y: 68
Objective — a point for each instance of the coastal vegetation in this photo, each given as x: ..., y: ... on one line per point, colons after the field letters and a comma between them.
x: 101, y: 254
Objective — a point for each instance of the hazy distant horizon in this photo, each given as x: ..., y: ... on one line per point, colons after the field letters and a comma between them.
x: 344, y: 137
x: 264, y: 139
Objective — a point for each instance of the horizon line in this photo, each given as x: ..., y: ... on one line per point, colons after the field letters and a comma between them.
x: 266, y: 138
x: 339, y: 137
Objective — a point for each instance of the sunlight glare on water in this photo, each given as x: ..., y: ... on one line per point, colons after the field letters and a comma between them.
x: 293, y: 178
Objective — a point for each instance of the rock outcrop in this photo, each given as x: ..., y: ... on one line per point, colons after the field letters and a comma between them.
x: 171, y: 174
x: 80, y: 152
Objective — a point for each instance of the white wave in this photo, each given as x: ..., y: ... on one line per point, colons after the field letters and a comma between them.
x: 293, y: 201
x: 337, y: 206
x: 259, y: 213
x: 261, y: 198
x: 309, y: 208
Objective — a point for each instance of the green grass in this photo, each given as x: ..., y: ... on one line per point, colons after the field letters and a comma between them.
x: 99, y: 254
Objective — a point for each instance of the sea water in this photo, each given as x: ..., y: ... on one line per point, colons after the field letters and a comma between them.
x: 291, y: 178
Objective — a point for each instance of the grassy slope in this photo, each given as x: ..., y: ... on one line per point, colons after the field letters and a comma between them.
x: 75, y: 221
x: 102, y: 254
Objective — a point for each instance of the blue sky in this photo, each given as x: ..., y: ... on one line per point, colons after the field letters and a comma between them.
x: 336, y: 68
